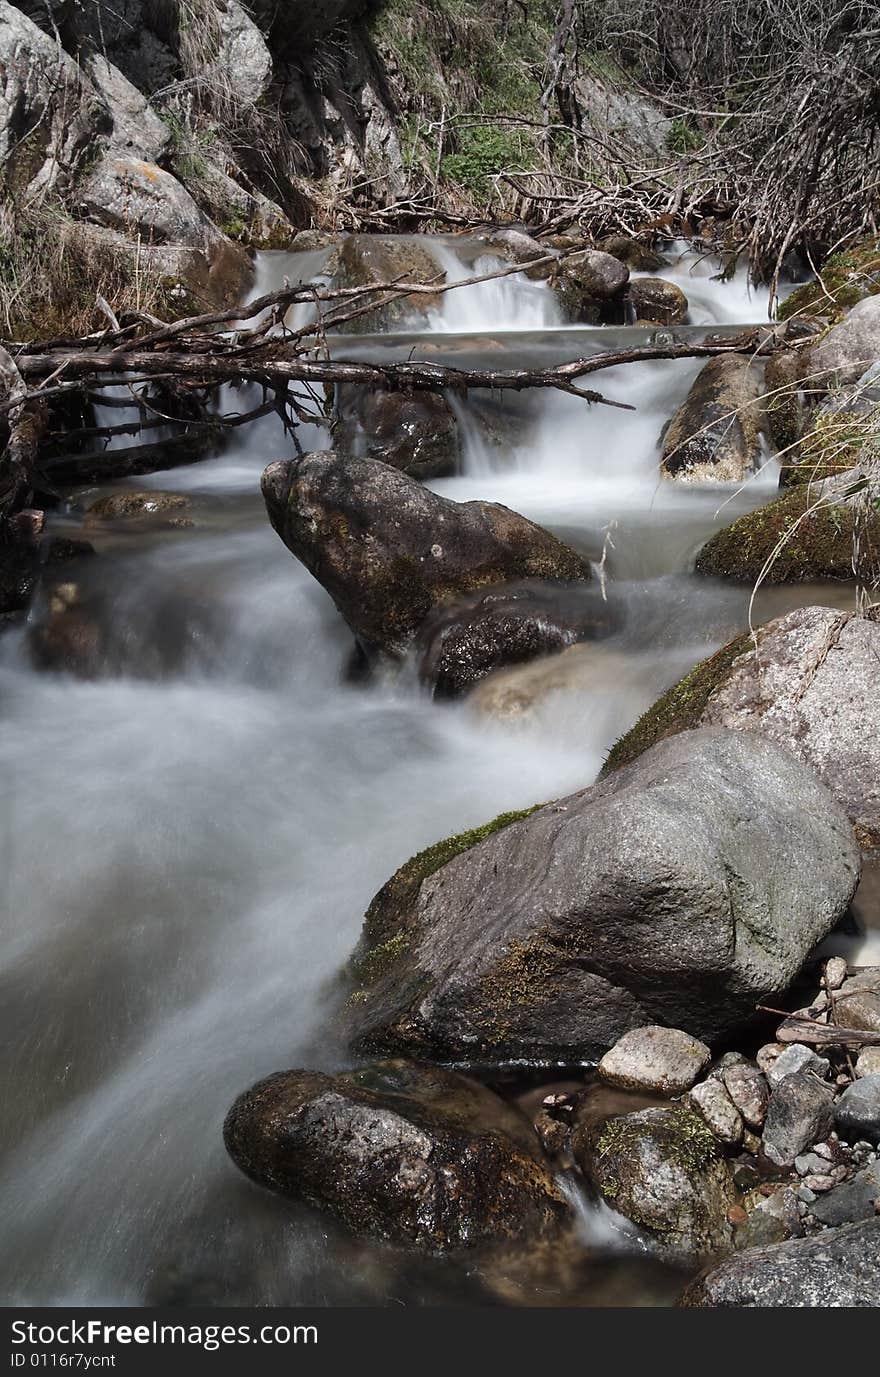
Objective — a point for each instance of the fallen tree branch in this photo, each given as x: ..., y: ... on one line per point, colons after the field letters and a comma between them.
x: 799, y: 1028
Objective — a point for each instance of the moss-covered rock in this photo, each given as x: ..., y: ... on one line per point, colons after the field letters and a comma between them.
x: 801, y: 536
x: 389, y: 551
x: 409, y: 1154
x: 662, y: 1169
x: 658, y: 301
x: 845, y: 278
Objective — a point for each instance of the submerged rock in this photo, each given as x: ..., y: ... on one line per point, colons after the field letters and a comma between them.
x: 681, y: 891
x: 416, y: 432
x: 462, y: 642
x: 123, y: 504
x: 662, y: 1169
x: 410, y: 1154
x: 840, y: 1267
x: 389, y: 551
x: 656, y: 300
x: 811, y: 685
x: 365, y: 260
x: 715, y: 436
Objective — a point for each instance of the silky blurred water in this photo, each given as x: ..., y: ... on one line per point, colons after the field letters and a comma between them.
x: 189, y: 842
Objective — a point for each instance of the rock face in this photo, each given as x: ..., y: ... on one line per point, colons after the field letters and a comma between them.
x: 130, y: 194
x: 801, y: 1112
x: 662, y: 1169
x: 470, y: 637
x: 43, y: 94
x: 415, y: 432
x: 811, y: 686
x: 840, y: 1268
x: 137, y: 129
x: 654, y: 299
x: 412, y: 1155
x: 677, y: 891
x: 665, y: 1060
x: 388, y: 550
x: 799, y: 537
x: 715, y: 434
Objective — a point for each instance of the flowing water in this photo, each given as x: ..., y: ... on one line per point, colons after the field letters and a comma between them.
x: 190, y: 840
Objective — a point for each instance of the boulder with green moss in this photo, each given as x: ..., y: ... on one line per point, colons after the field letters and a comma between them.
x: 682, y: 891
x: 811, y: 685
x: 715, y: 435
x: 663, y: 1169
x: 389, y: 551
x: 411, y: 1155
x: 656, y: 300
x: 826, y: 530
x: 845, y: 279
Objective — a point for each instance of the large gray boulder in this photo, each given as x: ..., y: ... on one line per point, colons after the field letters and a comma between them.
x: 137, y: 129
x: 389, y: 550
x: 811, y: 685
x: 410, y: 1154
x: 683, y: 890
x: 839, y: 1268
x: 715, y: 435
x: 663, y: 1169
x: 50, y: 114
x: 849, y: 348
x: 139, y: 197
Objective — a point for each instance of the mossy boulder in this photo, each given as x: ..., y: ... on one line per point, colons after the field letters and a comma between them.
x: 412, y: 1155
x: 589, y: 287
x: 657, y: 301
x: 804, y: 536
x: 389, y: 551
x: 715, y: 435
x: 809, y: 683
x: 365, y: 260
x: 845, y: 279
x: 639, y: 257
x: 662, y: 1168
x: 662, y: 895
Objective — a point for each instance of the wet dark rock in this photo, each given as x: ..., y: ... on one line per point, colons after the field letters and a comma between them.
x: 364, y: 260
x: 681, y: 891
x: 656, y: 300
x: 640, y: 258
x: 715, y: 436
x: 123, y: 504
x: 811, y: 686
x: 460, y: 643
x: 19, y: 575
x: 410, y: 1154
x: 798, y: 537
x: 839, y: 1267
x: 389, y: 551
x: 416, y: 432
x: 857, y: 1112
x: 586, y: 283
x: 662, y: 1169
x: 64, y: 548
x: 801, y: 1112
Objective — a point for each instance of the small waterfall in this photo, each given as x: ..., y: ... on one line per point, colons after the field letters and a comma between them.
x: 514, y: 302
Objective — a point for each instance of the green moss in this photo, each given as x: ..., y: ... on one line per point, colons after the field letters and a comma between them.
x: 846, y: 278
x: 682, y: 1136
x: 812, y: 544
x: 680, y: 708
x: 387, y: 924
